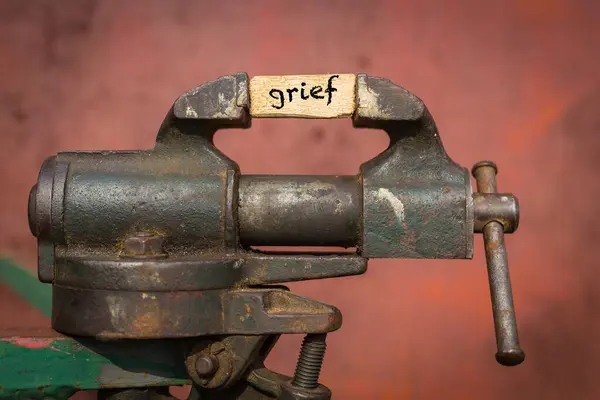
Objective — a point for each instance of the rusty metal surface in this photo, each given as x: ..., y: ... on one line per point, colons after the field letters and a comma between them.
x: 233, y: 356
x: 222, y: 358
x: 414, y: 195
x: 507, y: 340
x: 106, y: 192
x: 323, y: 210
x: 498, y: 207
x: 505, y: 323
x: 113, y: 314
x: 201, y: 274
x: 513, y: 82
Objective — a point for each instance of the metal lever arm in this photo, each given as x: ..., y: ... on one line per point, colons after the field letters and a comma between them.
x: 494, y: 215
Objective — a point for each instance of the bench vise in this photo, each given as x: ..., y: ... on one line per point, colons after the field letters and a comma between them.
x: 160, y: 243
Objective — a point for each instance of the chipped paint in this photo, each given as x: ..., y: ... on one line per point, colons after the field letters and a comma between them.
x: 30, y: 343
x: 368, y: 100
x: 116, y: 310
x: 396, y: 203
x: 190, y: 112
x: 59, y: 366
x: 226, y: 107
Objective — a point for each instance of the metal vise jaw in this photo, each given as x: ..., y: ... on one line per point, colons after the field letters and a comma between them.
x: 156, y: 243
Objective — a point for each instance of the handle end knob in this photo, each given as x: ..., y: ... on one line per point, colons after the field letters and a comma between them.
x: 510, y: 357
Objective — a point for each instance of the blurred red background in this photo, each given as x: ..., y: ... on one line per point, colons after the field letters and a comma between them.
x: 512, y: 81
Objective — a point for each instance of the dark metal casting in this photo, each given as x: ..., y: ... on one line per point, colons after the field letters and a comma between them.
x: 159, y: 243
x: 323, y: 210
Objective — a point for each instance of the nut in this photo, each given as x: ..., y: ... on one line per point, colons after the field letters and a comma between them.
x: 206, y: 366
x: 144, y: 245
x: 209, y: 365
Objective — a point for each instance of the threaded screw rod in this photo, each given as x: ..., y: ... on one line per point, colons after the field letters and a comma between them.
x: 310, y: 361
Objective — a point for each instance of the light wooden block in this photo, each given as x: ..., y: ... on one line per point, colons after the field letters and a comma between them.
x: 303, y: 96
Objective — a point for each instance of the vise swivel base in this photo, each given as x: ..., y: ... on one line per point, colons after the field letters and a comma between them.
x: 156, y: 244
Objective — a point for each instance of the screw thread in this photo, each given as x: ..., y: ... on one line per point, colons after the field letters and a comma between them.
x: 310, y: 361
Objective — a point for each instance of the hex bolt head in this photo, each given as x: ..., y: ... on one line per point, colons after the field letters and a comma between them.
x: 143, y: 245
x: 207, y: 365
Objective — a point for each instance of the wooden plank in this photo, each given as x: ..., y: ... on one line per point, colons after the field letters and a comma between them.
x: 303, y: 96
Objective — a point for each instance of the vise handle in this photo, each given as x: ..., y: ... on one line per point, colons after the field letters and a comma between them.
x: 505, y: 218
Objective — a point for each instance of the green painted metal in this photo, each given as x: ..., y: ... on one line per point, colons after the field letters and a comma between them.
x: 26, y: 285
x: 37, y: 367
x: 42, y: 365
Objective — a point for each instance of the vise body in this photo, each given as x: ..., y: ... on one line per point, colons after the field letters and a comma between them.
x: 157, y: 244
